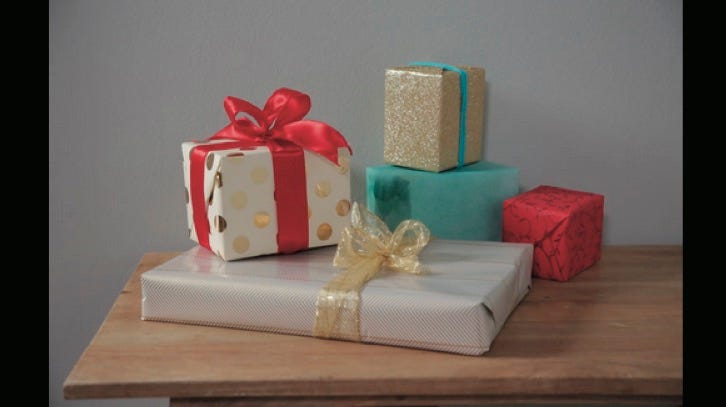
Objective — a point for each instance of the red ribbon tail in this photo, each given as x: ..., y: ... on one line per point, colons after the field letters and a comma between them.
x: 315, y: 136
x: 291, y: 201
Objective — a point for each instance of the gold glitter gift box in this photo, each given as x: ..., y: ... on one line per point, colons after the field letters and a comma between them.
x: 241, y: 209
x: 422, y: 112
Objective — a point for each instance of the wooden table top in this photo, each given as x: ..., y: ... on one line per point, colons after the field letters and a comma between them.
x: 614, y: 332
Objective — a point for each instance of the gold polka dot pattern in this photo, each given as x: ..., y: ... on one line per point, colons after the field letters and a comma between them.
x: 242, y: 217
x: 324, y: 231
x: 342, y: 207
x: 220, y: 223
x: 322, y: 189
x: 210, y: 200
x: 262, y: 219
x: 240, y: 244
x: 344, y: 166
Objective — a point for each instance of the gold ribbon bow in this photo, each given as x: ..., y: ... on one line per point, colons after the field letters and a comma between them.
x: 365, y: 248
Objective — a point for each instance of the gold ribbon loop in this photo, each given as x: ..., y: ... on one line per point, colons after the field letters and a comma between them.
x: 365, y: 248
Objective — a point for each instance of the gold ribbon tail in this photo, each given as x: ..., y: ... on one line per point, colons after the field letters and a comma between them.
x: 337, y: 313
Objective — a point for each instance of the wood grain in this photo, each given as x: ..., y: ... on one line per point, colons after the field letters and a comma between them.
x: 615, y: 332
x: 414, y: 401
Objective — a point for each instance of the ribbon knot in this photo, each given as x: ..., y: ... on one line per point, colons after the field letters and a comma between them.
x: 366, y: 247
x: 368, y: 237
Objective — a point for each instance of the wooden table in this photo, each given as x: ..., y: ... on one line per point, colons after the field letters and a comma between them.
x: 613, y: 334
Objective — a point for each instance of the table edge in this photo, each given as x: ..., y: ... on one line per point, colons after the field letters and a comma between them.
x: 74, y: 389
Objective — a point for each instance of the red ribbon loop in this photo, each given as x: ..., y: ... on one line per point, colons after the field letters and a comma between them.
x: 234, y: 106
x: 281, y: 119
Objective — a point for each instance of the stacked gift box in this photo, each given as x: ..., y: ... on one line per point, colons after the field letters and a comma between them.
x: 433, y: 137
x: 282, y: 248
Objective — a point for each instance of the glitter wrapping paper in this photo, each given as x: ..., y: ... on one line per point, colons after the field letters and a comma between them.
x: 421, y: 117
x: 459, y: 306
x: 565, y: 227
x: 462, y: 204
x: 241, y: 207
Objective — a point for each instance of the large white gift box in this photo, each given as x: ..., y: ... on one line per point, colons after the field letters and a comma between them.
x: 458, y: 306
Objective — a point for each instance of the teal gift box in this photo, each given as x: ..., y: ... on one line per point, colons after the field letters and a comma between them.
x: 464, y: 203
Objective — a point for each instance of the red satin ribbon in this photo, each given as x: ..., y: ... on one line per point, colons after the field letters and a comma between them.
x: 280, y: 127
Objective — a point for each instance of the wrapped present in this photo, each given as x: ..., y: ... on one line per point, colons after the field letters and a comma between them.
x: 461, y: 204
x: 453, y: 296
x: 277, y: 184
x: 433, y: 116
x: 565, y: 227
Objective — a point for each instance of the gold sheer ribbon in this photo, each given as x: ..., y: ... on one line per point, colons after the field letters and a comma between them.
x: 366, y: 247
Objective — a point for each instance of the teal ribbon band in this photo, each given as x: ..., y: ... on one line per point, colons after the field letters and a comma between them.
x: 462, y: 104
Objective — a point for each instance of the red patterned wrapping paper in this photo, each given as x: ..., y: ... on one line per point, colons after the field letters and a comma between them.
x: 564, y: 225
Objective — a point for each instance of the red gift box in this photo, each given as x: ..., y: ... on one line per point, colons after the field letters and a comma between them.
x: 565, y: 227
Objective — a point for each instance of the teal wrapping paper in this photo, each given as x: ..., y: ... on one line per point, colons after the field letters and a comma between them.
x: 460, y: 204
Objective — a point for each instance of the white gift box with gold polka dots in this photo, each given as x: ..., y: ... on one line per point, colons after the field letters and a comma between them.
x: 241, y: 209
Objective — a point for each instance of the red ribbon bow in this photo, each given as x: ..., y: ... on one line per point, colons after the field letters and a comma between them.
x: 280, y: 127
x: 280, y: 123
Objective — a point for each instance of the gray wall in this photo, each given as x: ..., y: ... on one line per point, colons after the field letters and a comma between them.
x: 582, y: 94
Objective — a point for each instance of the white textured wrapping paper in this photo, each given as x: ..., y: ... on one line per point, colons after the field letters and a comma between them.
x: 459, y: 306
